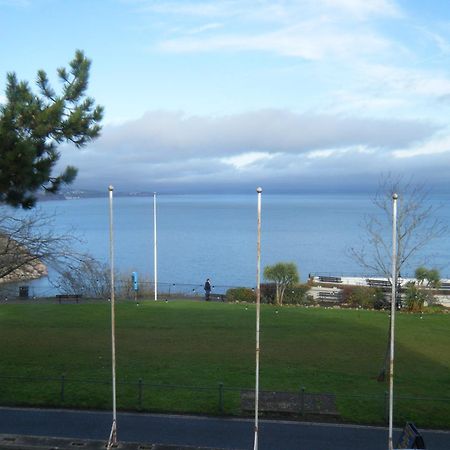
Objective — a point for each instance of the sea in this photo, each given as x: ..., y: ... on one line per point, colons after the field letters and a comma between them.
x: 215, y: 236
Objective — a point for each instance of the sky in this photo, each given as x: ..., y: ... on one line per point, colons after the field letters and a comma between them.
x: 224, y: 96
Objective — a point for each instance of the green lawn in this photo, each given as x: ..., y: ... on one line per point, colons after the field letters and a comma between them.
x: 201, y: 345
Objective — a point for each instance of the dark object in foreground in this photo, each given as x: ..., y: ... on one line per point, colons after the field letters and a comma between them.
x: 14, y: 442
x: 410, y: 438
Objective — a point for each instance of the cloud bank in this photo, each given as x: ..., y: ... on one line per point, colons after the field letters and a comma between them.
x: 174, y: 152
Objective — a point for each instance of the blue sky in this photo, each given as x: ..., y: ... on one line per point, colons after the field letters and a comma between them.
x: 226, y: 95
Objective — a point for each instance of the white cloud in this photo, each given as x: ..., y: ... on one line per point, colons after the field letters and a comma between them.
x: 365, y: 103
x: 365, y: 8
x: 272, y: 10
x: 302, y: 41
x: 407, y: 80
x: 392, y: 91
x: 310, y: 29
x: 246, y: 159
x: 370, y: 53
x: 205, y: 27
x: 321, y: 154
x: 337, y: 152
x: 436, y: 145
x: 438, y: 40
x: 189, y: 8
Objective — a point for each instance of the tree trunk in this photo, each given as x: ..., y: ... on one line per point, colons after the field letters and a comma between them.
x: 283, y: 289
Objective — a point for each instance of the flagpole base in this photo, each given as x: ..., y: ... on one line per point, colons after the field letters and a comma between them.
x: 112, y: 441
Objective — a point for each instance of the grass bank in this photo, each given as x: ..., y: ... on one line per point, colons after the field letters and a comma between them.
x: 169, y: 345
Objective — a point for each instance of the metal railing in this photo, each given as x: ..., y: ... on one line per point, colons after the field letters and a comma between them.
x: 140, y: 395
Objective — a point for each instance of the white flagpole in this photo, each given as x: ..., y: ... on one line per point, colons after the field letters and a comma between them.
x: 258, y: 302
x: 155, y: 252
x: 113, y: 435
x: 393, y: 306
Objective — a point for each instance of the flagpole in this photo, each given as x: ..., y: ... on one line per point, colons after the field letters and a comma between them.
x: 258, y: 302
x: 393, y: 306
x: 155, y: 252
x: 113, y: 435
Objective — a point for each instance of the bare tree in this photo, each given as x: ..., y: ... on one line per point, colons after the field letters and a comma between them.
x: 417, y: 226
x: 29, y: 240
x: 89, y: 277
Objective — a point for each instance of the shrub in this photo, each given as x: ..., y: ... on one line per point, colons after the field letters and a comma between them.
x: 268, y: 293
x: 415, y: 298
x: 241, y: 294
x: 294, y: 295
x: 90, y: 278
x: 380, y: 301
x: 297, y: 295
x: 364, y: 297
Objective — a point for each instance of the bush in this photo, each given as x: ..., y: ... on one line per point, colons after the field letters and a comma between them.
x: 90, y: 278
x: 381, y: 302
x: 364, y: 297
x: 268, y: 293
x: 415, y: 298
x: 297, y: 295
x: 241, y: 294
x: 294, y: 295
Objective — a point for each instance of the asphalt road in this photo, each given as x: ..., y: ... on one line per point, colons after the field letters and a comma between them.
x: 203, y: 431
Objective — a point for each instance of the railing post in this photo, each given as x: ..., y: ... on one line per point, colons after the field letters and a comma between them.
x: 62, y: 388
x: 302, y: 401
x: 140, y: 393
x: 221, y: 397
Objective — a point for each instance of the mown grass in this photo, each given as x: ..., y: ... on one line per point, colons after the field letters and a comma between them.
x: 201, y: 345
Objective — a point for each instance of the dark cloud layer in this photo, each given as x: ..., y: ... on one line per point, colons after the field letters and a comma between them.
x: 168, y: 151
x: 169, y: 135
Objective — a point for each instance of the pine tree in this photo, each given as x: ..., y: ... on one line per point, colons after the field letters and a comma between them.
x: 33, y: 125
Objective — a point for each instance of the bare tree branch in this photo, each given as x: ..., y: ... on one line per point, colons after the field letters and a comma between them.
x: 30, y: 239
x: 417, y: 226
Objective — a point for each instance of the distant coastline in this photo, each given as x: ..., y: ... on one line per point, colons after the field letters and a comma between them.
x: 77, y: 194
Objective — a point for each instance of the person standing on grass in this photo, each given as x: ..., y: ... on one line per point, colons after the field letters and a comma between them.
x: 207, y: 289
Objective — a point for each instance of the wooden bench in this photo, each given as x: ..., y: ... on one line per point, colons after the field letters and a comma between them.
x: 75, y: 297
x: 297, y: 403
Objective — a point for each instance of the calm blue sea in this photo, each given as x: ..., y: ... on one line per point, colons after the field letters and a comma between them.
x: 214, y: 236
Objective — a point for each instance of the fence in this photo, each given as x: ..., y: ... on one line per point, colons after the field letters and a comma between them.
x: 44, y: 289
x: 219, y: 399
x: 63, y: 391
